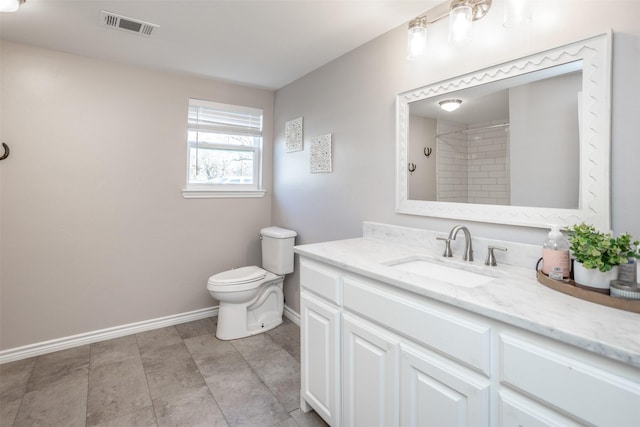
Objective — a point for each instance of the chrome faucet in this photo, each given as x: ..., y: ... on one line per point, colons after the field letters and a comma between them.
x: 468, y: 248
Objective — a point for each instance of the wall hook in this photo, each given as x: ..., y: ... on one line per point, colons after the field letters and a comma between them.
x: 6, y: 151
x: 412, y: 167
x: 427, y: 151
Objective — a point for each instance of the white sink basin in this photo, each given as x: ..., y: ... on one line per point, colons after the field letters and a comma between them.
x: 432, y: 269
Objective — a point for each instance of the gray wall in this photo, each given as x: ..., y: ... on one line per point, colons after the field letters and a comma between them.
x: 422, y: 181
x: 95, y: 231
x: 354, y: 98
x: 544, y: 139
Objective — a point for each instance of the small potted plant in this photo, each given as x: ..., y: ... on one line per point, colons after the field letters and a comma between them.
x: 598, y: 255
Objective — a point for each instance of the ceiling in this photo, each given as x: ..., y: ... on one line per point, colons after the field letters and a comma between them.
x: 259, y: 43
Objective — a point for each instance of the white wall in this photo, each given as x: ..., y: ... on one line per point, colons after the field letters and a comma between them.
x: 95, y: 231
x: 354, y: 97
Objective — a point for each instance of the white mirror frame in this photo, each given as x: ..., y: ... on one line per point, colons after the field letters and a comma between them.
x: 595, y: 140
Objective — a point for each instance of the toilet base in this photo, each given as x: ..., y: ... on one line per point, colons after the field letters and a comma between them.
x: 254, y: 317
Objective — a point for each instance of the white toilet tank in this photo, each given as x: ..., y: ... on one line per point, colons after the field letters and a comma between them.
x: 277, y: 249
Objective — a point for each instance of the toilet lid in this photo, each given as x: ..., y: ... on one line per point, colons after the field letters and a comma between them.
x: 238, y: 276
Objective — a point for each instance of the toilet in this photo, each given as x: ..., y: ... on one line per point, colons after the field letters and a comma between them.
x: 251, y: 298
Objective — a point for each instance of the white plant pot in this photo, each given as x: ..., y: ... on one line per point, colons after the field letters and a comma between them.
x: 593, y: 278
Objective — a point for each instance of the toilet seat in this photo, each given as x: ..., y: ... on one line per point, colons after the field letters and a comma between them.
x: 238, y: 279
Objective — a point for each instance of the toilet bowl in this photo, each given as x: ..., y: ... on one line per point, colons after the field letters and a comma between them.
x: 251, y: 301
x: 251, y: 298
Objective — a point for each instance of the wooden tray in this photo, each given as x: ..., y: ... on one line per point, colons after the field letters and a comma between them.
x: 569, y: 287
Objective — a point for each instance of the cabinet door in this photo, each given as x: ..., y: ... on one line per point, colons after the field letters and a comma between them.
x: 320, y: 357
x: 370, y: 374
x: 437, y: 392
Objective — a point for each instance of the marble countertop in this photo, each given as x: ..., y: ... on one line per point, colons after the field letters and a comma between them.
x: 514, y: 296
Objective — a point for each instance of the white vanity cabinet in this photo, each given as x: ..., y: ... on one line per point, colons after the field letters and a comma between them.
x: 377, y: 355
x: 320, y: 330
x: 423, y: 374
x: 364, y: 364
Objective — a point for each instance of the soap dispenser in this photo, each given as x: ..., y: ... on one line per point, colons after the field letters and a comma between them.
x: 556, y: 259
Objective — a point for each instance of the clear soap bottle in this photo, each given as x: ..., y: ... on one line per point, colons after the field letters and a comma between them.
x: 556, y: 260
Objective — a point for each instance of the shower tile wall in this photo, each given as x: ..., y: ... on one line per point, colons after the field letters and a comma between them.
x: 473, y: 167
x: 453, y: 163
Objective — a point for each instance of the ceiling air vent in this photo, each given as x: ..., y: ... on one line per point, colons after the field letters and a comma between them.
x: 120, y: 22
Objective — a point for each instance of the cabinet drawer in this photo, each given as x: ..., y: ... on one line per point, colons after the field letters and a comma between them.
x: 447, y: 332
x: 518, y: 411
x: 321, y: 280
x: 566, y: 381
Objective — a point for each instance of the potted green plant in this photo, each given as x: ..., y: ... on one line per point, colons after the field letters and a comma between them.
x: 597, y: 255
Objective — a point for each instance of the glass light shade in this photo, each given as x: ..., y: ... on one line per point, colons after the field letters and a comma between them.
x: 9, y: 5
x: 460, y: 20
x: 450, y: 104
x: 516, y: 13
x: 416, y: 41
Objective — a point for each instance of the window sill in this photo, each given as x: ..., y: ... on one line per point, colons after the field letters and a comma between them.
x: 221, y: 194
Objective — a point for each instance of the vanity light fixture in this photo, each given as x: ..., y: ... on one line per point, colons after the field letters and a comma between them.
x: 461, y: 14
x: 10, y: 5
x: 450, y: 105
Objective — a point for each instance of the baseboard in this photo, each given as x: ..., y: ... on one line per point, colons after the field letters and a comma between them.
x: 291, y: 315
x: 64, y: 343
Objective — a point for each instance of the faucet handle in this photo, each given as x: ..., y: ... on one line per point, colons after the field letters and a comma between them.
x: 491, y: 258
x: 447, y: 246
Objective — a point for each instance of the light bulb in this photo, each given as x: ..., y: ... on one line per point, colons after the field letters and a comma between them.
x: 417, y: 38
x: 9, y: 5
x: 460, y: 19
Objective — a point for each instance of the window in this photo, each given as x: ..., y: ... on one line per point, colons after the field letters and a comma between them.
x: 225, y: 147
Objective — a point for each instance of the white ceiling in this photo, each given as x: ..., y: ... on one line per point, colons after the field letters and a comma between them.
x: 259, y: 43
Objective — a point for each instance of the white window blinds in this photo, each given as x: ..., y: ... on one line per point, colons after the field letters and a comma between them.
x: 212, y: 117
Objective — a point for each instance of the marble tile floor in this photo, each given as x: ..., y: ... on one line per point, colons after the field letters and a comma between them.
x: 176, y: 376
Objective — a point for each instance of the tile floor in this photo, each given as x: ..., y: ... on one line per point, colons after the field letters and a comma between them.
x: 176, y: 376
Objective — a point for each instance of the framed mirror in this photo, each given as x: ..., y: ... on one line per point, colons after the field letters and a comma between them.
x: 527, y: 142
